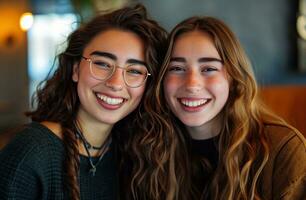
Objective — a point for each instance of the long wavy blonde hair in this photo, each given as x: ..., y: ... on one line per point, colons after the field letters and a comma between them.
x: 242, y: 145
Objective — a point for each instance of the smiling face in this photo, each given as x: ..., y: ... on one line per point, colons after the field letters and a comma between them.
x: 110, y: 100
x: 196, y: 86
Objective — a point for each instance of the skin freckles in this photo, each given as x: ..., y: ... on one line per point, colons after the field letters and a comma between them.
x: 196, y: 86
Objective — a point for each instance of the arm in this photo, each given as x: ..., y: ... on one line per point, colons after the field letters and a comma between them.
x: 18, y: 182
x: 289, y: 176
x: 18, y: 174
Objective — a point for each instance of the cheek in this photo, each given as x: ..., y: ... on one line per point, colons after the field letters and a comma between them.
x: 170, y: 84
x: 220, y: 87
x: 137, y: 94
x: 169, y: 87
x: 86, y: 79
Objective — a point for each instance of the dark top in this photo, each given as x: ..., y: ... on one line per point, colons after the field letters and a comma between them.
x: 31, y: 167
x: 203, y: 171
x: 206, y: 148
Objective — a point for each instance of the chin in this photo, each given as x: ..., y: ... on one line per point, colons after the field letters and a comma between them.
x: 192, y: 123
x: 109, y: 121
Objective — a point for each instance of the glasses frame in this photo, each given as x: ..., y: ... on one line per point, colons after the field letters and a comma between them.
x: 113, y: 71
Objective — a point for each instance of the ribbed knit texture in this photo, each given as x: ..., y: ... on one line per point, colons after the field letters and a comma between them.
x: 31, y: 167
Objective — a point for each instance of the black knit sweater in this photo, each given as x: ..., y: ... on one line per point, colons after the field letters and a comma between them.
x: 31, y: 167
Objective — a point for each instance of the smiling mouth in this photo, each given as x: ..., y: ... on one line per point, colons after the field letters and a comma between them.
x: 110, y: 100
x: 193, y: 103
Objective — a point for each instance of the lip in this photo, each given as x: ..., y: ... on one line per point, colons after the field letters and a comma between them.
x: 193, y: 104
x: 109, y: 102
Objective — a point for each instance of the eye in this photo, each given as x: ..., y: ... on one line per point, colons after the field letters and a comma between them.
x: 176, y: 68
x: 136, y: 70
x: 208, y: 69
x: 101, y: 64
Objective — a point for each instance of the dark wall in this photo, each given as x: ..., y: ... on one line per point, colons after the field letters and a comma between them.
x: 266, y: 29
x: 13, y: 65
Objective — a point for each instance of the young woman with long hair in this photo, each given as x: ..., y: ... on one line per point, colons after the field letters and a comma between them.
x: 229, y: 145
x: 102, y: 84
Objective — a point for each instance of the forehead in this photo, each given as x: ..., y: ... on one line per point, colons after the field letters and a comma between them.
x: 194, y: 44
x: 118, y: 42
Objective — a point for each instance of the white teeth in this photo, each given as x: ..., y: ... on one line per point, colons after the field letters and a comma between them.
x: 109, y: 100
x: 193, y: 103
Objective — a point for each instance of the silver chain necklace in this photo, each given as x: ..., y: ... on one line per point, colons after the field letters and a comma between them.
x: 104, y: 147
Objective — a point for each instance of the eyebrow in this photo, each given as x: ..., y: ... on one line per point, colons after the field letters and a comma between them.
x: 177, y: 59
x: 203, y: 59
x: 104, y: 54
x: 210, y: 59
x: 135, y: 61
x: 114, y: 57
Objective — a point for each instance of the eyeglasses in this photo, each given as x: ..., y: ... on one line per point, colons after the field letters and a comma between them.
x: 134, y: 74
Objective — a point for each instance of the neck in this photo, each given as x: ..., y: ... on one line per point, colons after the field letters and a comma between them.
x: 208, y: 130
x: 95, y: 135
x: 95, y: 132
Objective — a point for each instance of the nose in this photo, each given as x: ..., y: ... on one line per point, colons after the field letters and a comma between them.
x: 115, y: 82
x: 193, y: 81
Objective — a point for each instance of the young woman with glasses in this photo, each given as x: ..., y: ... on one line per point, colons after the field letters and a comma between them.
x: 230, y: 146
x: 84, y: 112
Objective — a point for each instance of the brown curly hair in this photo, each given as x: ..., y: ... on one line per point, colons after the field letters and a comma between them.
x: 57, y: 99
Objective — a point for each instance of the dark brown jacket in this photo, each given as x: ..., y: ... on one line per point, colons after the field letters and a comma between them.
x: 284, y: 176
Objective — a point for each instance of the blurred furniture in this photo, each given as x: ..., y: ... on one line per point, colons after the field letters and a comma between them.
x: 289, y: 102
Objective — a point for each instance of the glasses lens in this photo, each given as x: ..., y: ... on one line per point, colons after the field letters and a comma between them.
x: 135, y: 75
x: 101, y: 68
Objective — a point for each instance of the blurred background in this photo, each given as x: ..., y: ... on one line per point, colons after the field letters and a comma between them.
x: 273, y: 33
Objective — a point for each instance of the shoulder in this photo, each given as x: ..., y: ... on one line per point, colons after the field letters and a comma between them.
x: 34, y: 142
x: 53, y: 127
x: 287, y: 147
x: 31, y: 160
x: 280, y: 137
x: 34, y: 135
x: 287, y: 161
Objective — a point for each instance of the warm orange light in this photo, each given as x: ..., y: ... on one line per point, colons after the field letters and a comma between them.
x: 26, y: 21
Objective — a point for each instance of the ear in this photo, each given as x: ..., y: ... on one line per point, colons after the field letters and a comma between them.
x: 75, y: 72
